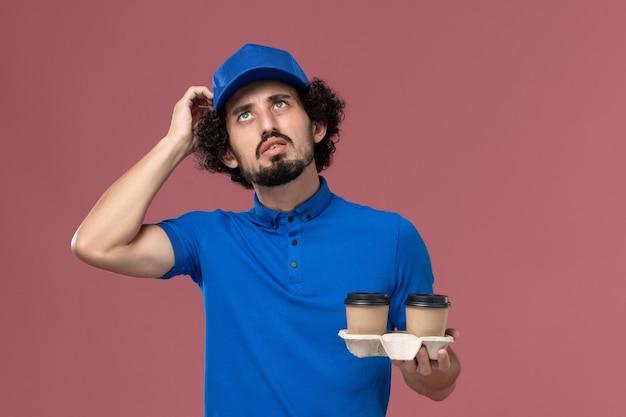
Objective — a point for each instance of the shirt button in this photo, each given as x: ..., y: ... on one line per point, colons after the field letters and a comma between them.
x: 294, y: 264
x: 272, y: 222
x: 290, y: 219
x: 308, y: 217
x: 294, y: 242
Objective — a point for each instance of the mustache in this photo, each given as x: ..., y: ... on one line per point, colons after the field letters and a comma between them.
x: 272, y: 134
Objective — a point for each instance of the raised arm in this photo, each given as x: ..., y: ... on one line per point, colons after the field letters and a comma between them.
x: 113, y: 236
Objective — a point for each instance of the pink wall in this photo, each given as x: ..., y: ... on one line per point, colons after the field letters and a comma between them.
x: 497, y: 127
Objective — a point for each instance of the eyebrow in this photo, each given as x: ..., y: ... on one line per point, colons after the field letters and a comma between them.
x: 272, y: 99
x: 278, y: 97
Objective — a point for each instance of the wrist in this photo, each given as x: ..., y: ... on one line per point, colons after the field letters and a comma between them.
x: 176, y: 145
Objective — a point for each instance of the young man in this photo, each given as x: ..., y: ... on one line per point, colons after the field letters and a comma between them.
x: 274, y: 279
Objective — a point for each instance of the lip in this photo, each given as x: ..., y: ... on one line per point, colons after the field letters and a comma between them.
x: 272, y: 141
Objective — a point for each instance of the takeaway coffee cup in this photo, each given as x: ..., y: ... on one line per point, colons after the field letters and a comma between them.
x: 426, y: 314
x: 367, y: 312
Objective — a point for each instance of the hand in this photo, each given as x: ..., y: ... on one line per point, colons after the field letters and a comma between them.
x: 188, y: 112
x: 423, y: 365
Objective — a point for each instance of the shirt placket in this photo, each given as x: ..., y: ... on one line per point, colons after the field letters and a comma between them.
x: 294, y: 244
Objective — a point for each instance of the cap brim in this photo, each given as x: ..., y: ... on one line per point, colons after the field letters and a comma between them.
x: 255, y: 74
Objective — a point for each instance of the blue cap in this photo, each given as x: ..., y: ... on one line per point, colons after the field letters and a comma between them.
x: 253, y: 63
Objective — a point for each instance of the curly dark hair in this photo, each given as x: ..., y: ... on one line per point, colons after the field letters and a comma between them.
x: 321, y: 104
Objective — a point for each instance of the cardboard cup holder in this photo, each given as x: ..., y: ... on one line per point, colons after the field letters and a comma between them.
x: 397, y: 345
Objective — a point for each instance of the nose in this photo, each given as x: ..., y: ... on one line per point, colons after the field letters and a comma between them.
x: 267, y: 122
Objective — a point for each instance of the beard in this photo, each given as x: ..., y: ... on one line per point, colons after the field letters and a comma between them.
x: 280, y: 172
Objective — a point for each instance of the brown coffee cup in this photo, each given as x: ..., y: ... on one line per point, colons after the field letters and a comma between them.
x: 367, y: 312
x: 427, y: 314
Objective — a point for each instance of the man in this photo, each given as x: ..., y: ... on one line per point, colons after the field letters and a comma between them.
x: 274, y: 278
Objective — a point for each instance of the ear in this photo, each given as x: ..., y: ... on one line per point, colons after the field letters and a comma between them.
x: 319, y: 131
x: 229, y: 159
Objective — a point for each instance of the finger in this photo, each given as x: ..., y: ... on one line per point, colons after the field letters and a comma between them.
x: 454, y: 333
x: 443, y: 361
x: 199, y: 92
x: 198, y: 111
x: 201, y: 106
x: 197, y: 96
x: 423, y: 362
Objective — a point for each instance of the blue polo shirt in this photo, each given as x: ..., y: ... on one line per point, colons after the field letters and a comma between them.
x: 274, y: 285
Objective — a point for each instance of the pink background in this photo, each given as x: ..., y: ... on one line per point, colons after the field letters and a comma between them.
x: 497, y: 127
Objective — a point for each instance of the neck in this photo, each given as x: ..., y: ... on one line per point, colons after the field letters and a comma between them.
x: 288, y: 196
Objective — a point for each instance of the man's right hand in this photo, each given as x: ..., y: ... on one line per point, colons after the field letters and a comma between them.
x: 188, y: 112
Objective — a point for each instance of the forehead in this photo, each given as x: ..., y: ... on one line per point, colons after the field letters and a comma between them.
x: 259, y: 90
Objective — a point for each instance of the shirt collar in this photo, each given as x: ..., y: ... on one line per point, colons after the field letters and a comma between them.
x: 306, y: 211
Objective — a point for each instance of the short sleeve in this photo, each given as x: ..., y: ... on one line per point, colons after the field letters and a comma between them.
x: 182, y: 232
x: 413, y: 270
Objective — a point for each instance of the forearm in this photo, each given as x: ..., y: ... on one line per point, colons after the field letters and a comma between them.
x: 439, y: 384
x: 118, y: 215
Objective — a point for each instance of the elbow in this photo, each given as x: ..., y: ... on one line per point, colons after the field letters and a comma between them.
x: 84, y: 250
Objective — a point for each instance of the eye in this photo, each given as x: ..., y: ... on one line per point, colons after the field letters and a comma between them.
x: 280, y: 105
x: 244, y: 116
